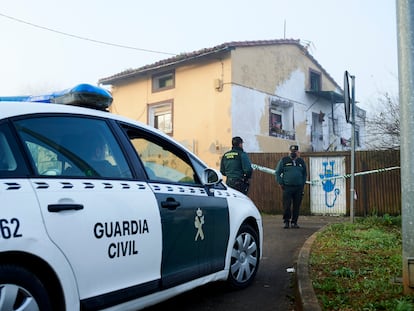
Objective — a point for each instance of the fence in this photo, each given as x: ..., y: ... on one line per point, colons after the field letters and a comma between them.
x: 377, y: 193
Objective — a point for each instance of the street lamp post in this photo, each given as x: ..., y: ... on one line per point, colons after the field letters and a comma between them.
x: 405, y: 29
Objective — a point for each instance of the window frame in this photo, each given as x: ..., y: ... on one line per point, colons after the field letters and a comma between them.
x: 315, y: 80
x: 158, y: 108
x: 159, y: 81
x: 282, y: 110
x: 357, y: 136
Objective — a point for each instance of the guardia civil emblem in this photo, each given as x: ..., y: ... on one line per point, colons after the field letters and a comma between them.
x: 198, y: 223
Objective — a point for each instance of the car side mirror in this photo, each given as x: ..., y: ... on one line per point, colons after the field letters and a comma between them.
x: 211, y: 177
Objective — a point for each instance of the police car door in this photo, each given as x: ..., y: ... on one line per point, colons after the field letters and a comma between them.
x: 106, y: 223
x: 195, y: 224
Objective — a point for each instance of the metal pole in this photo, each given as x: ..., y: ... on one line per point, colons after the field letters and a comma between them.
x: 352, y: 187
x: 405, y: 35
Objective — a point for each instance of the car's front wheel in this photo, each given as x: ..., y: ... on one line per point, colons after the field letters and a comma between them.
x: 245, y: 257
x: 22, y: 290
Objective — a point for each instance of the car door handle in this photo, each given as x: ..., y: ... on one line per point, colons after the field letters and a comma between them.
x: 170, y: 203
x: 54, y: 208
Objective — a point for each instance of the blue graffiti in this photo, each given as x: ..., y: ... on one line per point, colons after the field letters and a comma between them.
x: 329, y: 185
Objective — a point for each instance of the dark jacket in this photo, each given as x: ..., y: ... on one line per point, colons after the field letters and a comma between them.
x: 291, y: 172
x: 236, y: 164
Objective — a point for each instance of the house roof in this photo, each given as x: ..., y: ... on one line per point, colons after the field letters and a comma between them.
x: 206, y: 52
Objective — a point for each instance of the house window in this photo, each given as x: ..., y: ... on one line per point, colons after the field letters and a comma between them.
x: 160, y: 117
x: 315, y: 81
x: 275, y: 121
x: 281, y: 119
x: 163, y: 81
x: 334, y: 126
x: 357, y: 141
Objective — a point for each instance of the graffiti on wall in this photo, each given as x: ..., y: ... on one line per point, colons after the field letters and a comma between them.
x: 329, y: 185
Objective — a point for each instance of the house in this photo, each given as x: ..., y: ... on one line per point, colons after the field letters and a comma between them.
x: 272, y: 93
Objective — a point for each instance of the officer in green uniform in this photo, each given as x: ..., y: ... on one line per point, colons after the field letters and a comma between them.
x: 291, y: 176
x: 236, y: 165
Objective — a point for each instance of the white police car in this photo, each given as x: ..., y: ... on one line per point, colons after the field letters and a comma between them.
x: 101, y: 212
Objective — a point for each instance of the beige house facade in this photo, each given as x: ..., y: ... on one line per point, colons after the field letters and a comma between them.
x: 272, y: 93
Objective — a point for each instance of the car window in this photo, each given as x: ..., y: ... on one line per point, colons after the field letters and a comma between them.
x: 7, y: 160
x: 11, y: 160
x: 72, y: 146
x: 162, y: 162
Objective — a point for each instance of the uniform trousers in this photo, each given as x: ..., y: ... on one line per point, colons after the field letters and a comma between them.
x: 238, y: 184
x: 292, y: 198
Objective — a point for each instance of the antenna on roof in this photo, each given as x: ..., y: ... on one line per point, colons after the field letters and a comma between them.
x: 308, y: 45
x: 284, y: 30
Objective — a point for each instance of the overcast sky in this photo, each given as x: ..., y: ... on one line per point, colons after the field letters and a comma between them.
x: 49, y: 45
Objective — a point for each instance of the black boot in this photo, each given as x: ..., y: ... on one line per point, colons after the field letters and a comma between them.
x: 286, y: 225
x: 294, y: 225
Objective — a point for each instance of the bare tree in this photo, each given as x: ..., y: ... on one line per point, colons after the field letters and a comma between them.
x: 383, y: 124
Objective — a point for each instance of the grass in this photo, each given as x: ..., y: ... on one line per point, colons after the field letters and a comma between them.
x: 354, y: 266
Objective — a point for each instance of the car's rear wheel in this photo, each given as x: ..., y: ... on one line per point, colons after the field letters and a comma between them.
x: 245, y: 257
x: 22, y: 290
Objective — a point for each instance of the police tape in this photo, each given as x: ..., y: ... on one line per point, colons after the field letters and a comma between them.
x: 263, y: 169
x: 316, y: 181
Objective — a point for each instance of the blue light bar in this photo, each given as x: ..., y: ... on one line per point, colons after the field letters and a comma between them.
x: 14, y: 98
x: 84, y: 95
